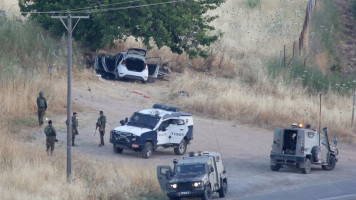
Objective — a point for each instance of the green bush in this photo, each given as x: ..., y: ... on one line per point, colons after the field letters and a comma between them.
x: 253, y: 3
x: 311, y: 78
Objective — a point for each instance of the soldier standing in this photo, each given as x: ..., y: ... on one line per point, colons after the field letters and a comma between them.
x: 101, y: 124
x: 50, y: 137
x: 74, y: 127
x: 42, y: 107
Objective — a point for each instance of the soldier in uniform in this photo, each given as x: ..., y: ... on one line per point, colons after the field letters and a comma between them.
x: 50, y: 137
x: 101, y: 124
x: 74, y: 127
x: 42, y: 107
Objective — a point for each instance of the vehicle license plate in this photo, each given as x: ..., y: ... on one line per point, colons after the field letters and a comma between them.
x: 184, y: 193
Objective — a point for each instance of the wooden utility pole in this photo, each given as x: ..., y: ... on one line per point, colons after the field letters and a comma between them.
x: 69, y: 88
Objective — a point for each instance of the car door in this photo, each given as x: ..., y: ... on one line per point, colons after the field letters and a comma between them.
x: 163, y: 174
x: 177, y: 131
x: 324, y: 148
x: 212, y: 175
x: 277, y: 144
x: 163, y: 133
x: 153, y: 64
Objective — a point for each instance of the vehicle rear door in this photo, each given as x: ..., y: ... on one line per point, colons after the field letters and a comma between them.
x: 277, y: 144
x: 163, y: 174
x: 153, y: 64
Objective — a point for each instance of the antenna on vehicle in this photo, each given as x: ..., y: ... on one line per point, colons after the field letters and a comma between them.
x: 216, y: 137
x: 319, y: 119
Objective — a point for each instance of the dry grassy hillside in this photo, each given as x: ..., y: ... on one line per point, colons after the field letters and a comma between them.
x: 252, y: 34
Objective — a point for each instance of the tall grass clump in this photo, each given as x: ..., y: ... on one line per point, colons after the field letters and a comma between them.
x: 312, y: 79
x: 324, y: 36
x: 26, y: 172
x: 30, y: 61
x: 253, y: 3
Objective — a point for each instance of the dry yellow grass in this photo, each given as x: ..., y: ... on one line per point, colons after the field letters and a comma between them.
x: 265, y: 103
x: 26, y: 172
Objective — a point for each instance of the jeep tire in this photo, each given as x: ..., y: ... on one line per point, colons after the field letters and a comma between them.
x: 223, y: 190
x: 331, y: 163
x: 316, y: 153
x: 276, y: 167
x: 307, y: 166
x: 117, y: 149
x: 181, y: 148
x: 208, y: 194
x: 147, y: 150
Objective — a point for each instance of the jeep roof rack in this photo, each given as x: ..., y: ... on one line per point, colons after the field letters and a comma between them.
x: 164, y: 107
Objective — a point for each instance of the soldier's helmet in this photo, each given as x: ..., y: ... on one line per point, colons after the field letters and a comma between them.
x: 41, y: 93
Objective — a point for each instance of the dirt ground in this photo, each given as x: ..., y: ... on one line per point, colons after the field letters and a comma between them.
x: 245, y: 150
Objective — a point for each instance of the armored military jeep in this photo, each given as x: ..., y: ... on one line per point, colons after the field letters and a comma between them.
x: 302, y: 147
x: 149, y: 129
x: 196, y: 175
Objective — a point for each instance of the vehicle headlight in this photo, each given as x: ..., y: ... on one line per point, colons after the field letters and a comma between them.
x: 198, y: 184
x: 172, y: 185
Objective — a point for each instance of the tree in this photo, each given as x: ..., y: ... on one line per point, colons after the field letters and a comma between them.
x: 183, y: 26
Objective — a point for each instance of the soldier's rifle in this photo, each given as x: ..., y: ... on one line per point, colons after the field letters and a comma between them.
x: 96, y: 127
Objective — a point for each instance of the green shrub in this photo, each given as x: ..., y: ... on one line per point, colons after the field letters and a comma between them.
x: 253, y: 3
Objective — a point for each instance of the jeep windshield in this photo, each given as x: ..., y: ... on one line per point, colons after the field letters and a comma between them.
x: 143, y: 121
x: 191, y: 169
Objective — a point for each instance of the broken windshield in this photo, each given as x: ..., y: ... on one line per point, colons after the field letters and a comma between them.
x: 140, y: 52
x: 194, y: 168
x: 144, y: 121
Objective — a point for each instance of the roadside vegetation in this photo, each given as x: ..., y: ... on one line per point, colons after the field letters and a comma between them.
x: 26, y: 172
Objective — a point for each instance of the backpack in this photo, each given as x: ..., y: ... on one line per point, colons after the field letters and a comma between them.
x: 48, y: 131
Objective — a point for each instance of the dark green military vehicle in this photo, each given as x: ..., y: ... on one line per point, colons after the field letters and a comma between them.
x: 302, y: 147
x: 196, y: 175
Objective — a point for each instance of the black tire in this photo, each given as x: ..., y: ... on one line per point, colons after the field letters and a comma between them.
x: 223, y: 190
x: 208, y: 194
x: 331, y: 165
x: 147, y: 150
x: 316, y: 153
x: 182, y: 148
x: 276, y: 167
x: 116, y: 149
x: 144, y: 82
x: 307, y: 166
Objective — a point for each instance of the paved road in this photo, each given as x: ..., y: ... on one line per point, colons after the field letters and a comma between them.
x: 245, y: 150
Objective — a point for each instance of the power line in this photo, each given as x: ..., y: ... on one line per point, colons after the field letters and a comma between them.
x: 102, y: 5
x: 102, y: 10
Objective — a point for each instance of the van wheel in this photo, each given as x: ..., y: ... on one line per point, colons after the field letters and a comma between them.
x: 147, y: 150
x: 331, y: 164
x: 181, y: 149
x: 275, y: 167
x: 207, y: 193
x: 307, y: 166
x: 223, y: 190
x: 316, y: 153
x: 116, y: 149
x: 144, y: 82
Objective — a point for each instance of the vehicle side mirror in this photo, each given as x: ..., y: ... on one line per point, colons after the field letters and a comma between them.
x: 122, y: 122
x: 335, y: 140
x: 211, y: 169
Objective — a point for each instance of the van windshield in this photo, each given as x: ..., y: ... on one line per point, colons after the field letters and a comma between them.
x: 193, y: 168
x: 143, y: 121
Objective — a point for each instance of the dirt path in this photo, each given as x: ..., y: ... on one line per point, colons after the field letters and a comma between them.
x: 245, y: 150
x: 348, y: 42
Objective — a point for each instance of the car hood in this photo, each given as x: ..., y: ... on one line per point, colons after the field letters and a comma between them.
x: 132, y: 129
x: 189, y: 178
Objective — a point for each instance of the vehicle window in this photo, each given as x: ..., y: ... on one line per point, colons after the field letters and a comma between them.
x: 194, y: 168
x: 137, y: 52
x: 311, y: 134
x: 164, y: 171
x: 144, y: 121
x: 180, y: 122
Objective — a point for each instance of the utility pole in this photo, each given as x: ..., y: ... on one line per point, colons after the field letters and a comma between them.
x: 69, y: 85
